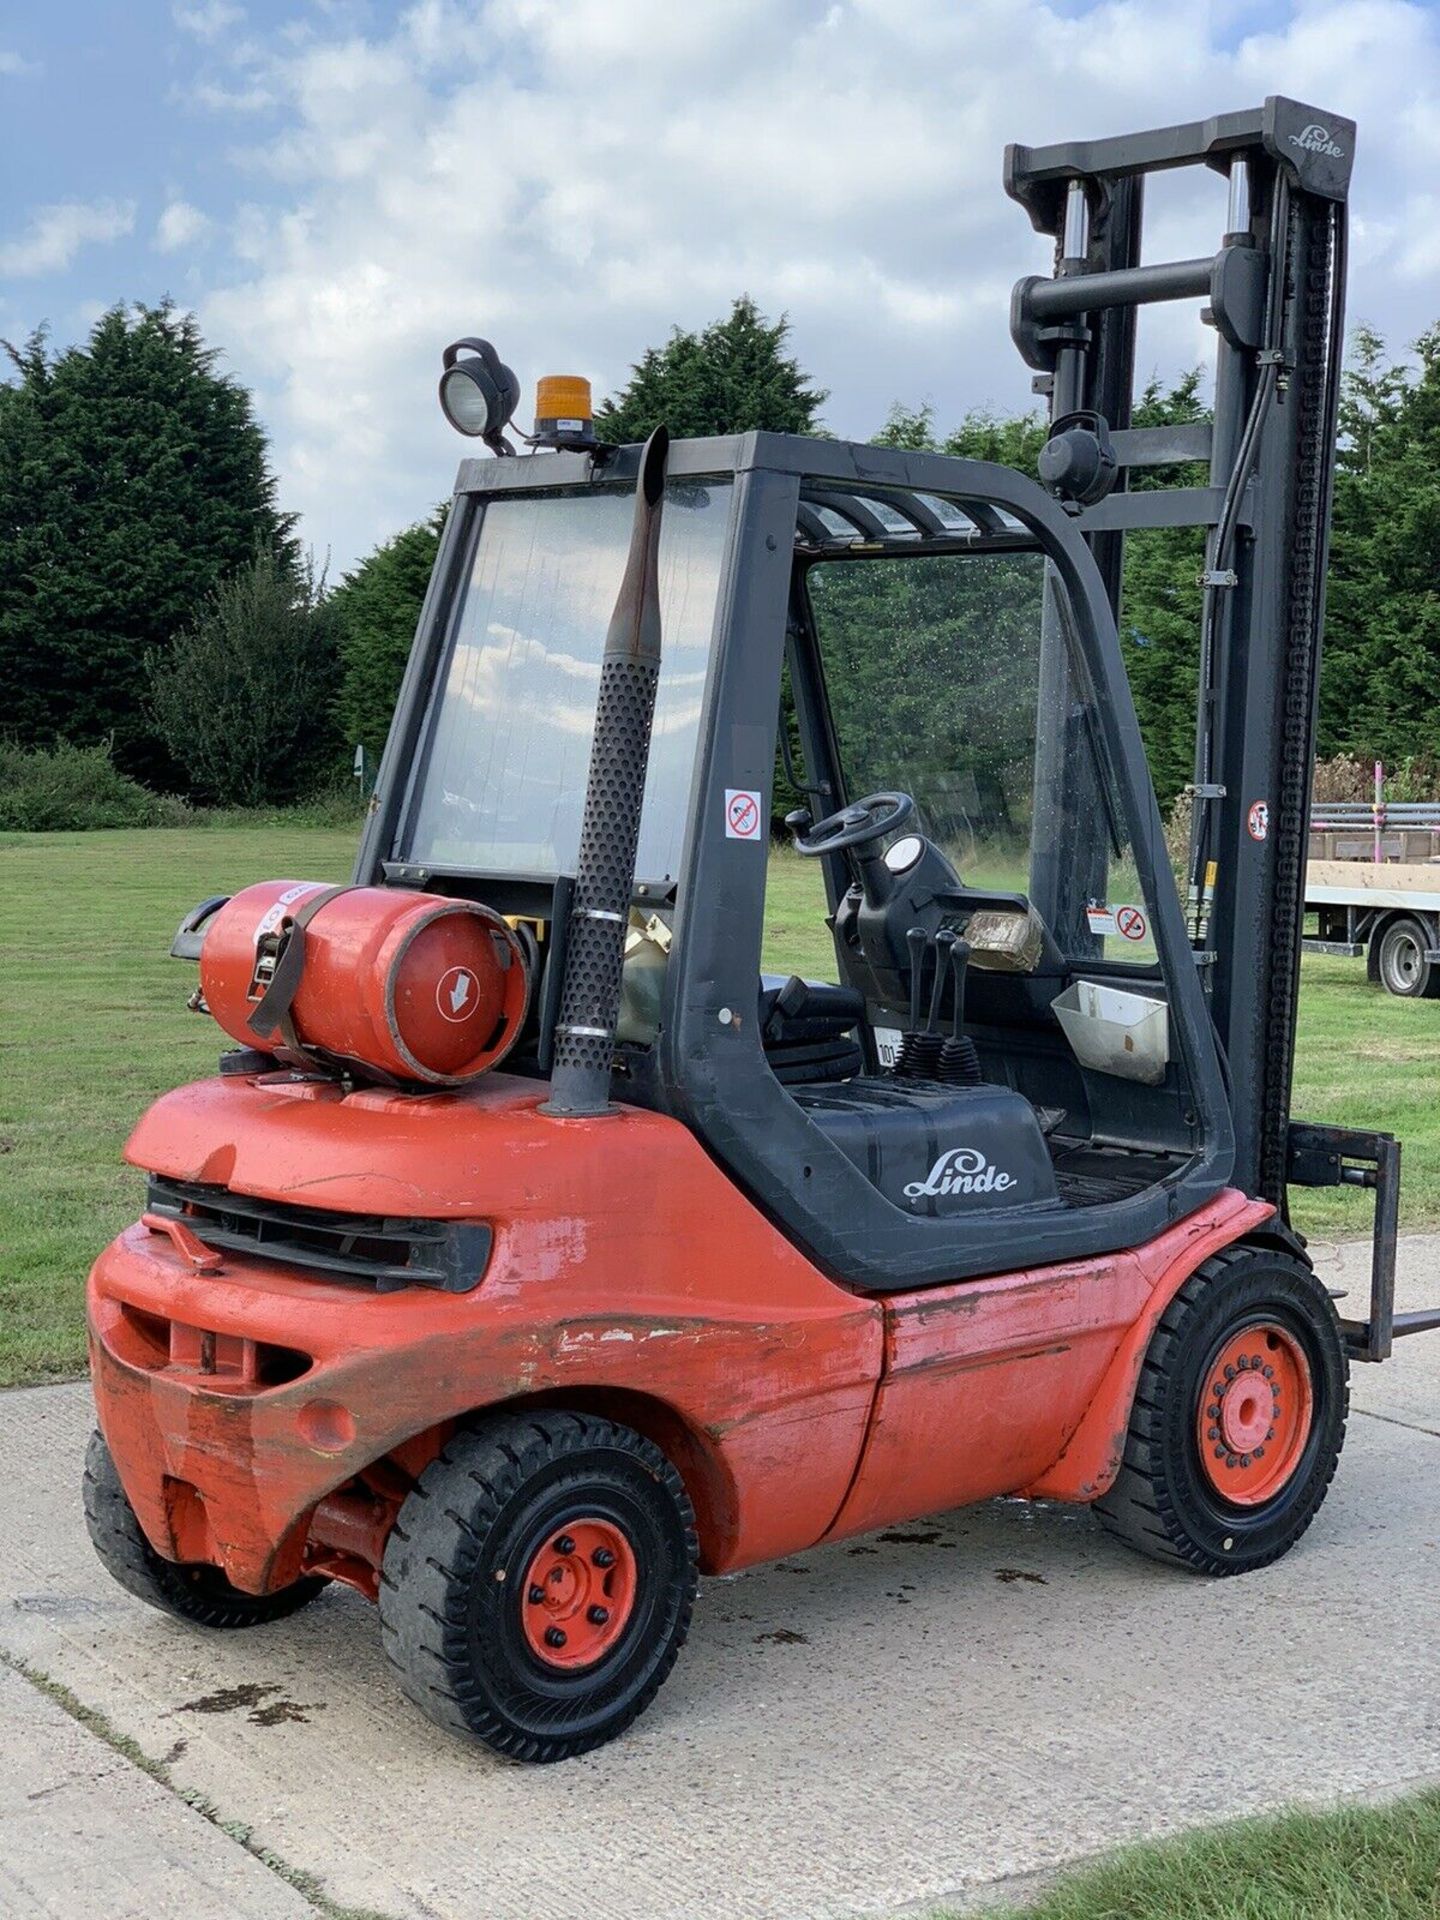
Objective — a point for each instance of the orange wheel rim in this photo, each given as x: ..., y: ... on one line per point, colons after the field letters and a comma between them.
x: 1257, y: 1402
x: 579, y: 1593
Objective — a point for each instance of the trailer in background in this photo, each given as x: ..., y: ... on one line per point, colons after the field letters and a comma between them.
x: 1389, y: 912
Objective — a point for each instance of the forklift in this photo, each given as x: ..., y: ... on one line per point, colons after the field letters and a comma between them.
x: 533, y: 1250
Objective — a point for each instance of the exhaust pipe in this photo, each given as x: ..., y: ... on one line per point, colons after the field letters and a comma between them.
x: 610, y: 827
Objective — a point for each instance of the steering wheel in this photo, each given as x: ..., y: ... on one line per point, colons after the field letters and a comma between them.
x: 857, y: 825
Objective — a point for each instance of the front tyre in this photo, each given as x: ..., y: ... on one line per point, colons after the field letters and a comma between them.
x: 1238, y: 1420
x: 199, y: 1595
x: 538, y: 1583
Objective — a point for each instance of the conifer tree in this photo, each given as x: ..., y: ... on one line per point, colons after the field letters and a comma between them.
x: 133, y: 479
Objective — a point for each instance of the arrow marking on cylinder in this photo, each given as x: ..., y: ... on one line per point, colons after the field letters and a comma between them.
x: 457, y: 994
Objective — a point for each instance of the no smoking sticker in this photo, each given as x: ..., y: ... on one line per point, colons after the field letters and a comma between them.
x: 742, y: 814
x: 1130, y: 923
x: 1257, y: 821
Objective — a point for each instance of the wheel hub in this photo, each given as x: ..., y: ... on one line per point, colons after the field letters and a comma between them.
x: 1247, y: 1407
x: 1256, y: 1406
x: 578, y: 1593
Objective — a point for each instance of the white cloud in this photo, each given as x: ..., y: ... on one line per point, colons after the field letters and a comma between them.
x: 180, y: 226
x: 15, y: 63
x: 212, y: 96
x: 573, y: 177
x: 206, y: 19
x: 56, y: 234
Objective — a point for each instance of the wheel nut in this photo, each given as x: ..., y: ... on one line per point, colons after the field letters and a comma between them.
x: 597, y: 1616
x: 1244, y: 1459
x: 1220, y: 1451
x: 554, y: 1637
x: 1255, y: 1360
x: 1212, y: 1413
x: 1271, y: 1434
x: 1243, y: 1362
x: 1269, y: 1372
x: 1232, y: 1460
x: 603, y: 1557
x: 1212, y: 1433
x: 535, y: 1596
x: 1229, y: 1373
x: 564, y: 1544
x: 1259, y: 1454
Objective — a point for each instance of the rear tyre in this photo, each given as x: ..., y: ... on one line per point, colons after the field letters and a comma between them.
x: 538, y: 1583
x: 1400, y: 962
x: 1238, y: 1420
x: 200, y: 1594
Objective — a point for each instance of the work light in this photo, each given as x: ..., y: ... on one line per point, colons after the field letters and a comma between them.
x: 478, y: 394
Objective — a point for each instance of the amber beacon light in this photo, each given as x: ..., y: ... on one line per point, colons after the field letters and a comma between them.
x: 564, y: 412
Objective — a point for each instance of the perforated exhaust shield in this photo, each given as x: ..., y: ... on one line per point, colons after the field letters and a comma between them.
x: 610, y: 828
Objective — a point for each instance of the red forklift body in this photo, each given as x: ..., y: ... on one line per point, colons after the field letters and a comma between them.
x: 236, y: 1399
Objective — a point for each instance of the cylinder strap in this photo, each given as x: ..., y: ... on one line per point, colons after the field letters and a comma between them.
x: 273, y: 1013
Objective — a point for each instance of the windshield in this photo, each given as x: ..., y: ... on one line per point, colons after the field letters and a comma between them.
x: 500, y: 785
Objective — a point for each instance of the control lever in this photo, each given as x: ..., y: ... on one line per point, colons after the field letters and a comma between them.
x: 917, y: 940
x: 920, y: 1052
x: 959, y: 1057
x: 944, y: 940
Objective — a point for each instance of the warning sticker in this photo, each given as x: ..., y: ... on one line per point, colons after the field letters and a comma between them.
x: 1130, y: 923
x: 1100, y: 920
x: 1257, y: 821
x: 742, y: 814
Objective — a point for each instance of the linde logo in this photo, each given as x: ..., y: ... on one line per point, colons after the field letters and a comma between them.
x: 960, y: 1170
x: 1316, y: 139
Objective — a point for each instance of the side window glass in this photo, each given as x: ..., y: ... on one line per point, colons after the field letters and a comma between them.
x: 931, y: 668
x: 796, y: 939
x: 1084, y: 876
x: 955, y: 678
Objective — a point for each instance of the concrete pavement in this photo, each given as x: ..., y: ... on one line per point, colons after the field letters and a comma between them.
x: 894, y: 1722
x: 84, y: 1831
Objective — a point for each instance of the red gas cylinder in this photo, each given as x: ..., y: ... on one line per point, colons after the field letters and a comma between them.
x: 410, y: 986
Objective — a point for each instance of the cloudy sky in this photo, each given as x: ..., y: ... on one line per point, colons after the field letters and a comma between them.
x: 339, y: 188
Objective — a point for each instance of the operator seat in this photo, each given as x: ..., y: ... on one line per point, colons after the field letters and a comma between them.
x: 808, y: 1030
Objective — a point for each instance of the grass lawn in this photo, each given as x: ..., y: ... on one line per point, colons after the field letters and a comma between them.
x: 93, y: 1026
x: 1355, y: 1863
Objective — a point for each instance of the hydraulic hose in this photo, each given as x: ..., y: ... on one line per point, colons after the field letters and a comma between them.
x: 1221, y: 552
